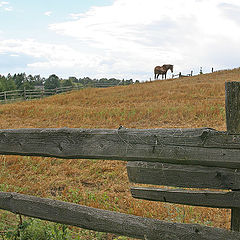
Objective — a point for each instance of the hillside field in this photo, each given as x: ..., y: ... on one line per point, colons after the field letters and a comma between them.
x: 188, y: 102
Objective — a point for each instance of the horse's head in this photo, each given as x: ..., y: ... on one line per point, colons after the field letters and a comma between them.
x: 168, y: 66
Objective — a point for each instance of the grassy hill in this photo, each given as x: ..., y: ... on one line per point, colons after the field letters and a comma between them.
x: 196, y: 101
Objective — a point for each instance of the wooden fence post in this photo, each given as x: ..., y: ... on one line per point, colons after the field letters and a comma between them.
x: 232, y: 105
x: 5, y: 97
x: 24, y: 93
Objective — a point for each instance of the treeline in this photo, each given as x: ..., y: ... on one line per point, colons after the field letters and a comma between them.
x: 21, y: 81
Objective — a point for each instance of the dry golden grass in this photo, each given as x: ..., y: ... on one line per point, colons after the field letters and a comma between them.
x: 187, y: 102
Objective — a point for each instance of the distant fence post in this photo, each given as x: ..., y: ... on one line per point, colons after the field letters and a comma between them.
x: 232, y: 105
x: 24, y: 93
x: 5, y: 97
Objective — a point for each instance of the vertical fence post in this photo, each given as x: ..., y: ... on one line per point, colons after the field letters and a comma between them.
x: 5, y: 97
x: 232, y: 105
x: 24, y: 93
x: 42, y: 92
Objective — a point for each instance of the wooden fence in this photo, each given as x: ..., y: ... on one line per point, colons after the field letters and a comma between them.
x: 8, y: 96
x: 179, y: 75
x: 201, y: 157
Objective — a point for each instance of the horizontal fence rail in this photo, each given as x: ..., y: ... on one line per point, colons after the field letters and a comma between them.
x: 203, y: 146
x: 186, y: 176
x: 213, y: 199
x: 108, y: 221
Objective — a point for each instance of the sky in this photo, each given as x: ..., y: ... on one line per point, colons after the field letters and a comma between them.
x: 123, y: 39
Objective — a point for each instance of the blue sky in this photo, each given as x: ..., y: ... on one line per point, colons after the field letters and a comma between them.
x: 118, y: 38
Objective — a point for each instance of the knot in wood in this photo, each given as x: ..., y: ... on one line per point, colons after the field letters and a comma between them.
x: 204, y: 136
x: 197, y: 230
x: 218, y: 174
x: 221, y: 176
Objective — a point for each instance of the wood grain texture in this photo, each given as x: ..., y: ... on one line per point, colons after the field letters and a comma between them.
x: 232, y: 105
x: 235, y: 219
x: 187, y: 176
x: 204, y: 198
x: 107, y: 221
x: 202, y: 146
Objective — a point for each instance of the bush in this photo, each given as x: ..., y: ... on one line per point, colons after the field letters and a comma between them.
x: 32, y: 229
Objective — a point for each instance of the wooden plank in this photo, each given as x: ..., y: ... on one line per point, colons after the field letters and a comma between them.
x: 232, y: 103
x: 187, y: 176
x: 108, y: 221
x: 182, y: 146
x: 235, y: 224
x: 232, y: 106
x: 215, y: 199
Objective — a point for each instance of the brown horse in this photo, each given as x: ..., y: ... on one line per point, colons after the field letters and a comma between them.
x: 162, y: 70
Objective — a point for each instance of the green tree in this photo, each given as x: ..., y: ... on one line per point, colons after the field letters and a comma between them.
x: 7, y: 83
x: 73, y: 79
x: 1, y: 84
x: 21, y: 80
x: 85, y: 80
x: 67, y: 83
x: 52, y: 82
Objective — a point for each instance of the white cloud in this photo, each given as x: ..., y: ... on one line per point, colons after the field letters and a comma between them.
x: 14, y: 55
x: 5, y: 6
x: 48, y: 58
x: 8, y: 9
x: 144, y: 33
x: 48, y: 13
x: 128, y: 38
x: 75, y: 15
x: 2, y: 3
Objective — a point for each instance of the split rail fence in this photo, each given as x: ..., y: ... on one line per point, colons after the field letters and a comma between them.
x: 8, y: 96
x: 183, y: 158
x: 179, y: 75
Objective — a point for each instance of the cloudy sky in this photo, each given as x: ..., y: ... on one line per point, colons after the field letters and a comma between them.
x: 118, y: 38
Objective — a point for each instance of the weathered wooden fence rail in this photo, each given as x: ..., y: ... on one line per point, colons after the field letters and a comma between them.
x: 203, y: 146
x: 108, y: 221
x: 185, y: 158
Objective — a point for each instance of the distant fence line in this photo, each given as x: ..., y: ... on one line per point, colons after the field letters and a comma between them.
x: 179, y: 75
x: 29, y: 94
